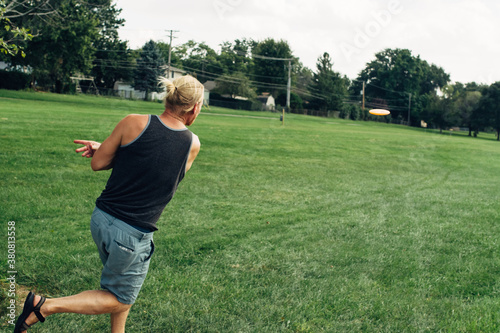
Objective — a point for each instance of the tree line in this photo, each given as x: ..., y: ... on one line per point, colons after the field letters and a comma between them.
x: 58, y: 39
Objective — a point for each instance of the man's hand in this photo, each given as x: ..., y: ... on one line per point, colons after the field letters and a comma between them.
x: 89, y: 149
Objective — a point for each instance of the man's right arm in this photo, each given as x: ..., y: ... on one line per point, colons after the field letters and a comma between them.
x: 195, y: 149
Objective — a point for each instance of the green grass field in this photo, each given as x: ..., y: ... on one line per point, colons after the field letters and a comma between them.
x: 321, y: 225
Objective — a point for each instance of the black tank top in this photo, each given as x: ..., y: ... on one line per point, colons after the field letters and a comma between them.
x: 145, y: 174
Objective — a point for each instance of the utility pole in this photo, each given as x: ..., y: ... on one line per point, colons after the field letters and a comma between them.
x: 409, y: 107
x: 363, y: 96
x: 289, y: 85
x: 170, y: 51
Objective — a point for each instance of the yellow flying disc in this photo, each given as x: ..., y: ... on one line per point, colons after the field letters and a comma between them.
x: 379, y: 112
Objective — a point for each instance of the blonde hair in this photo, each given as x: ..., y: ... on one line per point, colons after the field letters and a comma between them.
x: 182, y: 93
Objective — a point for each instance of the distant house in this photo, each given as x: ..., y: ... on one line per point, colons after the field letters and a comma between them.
x: 174, y: 72
x: 209, y: 86
x: 18, y: 68
x: 267, y: 101
x: 125, y: 89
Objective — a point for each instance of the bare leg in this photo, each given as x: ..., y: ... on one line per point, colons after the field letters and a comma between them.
x: 90, y: 302
x: 118, y: 320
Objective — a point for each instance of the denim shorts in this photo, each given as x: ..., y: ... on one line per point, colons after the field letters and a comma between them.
x: 125, y: 253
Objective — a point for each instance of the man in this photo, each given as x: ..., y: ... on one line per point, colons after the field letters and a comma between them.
x: 149, y: 156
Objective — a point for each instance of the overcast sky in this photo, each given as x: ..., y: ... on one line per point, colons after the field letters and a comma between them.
x: 461, y: 36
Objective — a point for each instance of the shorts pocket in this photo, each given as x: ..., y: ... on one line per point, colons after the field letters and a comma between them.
x: 122, y: 255
x: 151, y: 252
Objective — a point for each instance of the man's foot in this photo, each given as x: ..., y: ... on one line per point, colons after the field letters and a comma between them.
x: 31, y: 313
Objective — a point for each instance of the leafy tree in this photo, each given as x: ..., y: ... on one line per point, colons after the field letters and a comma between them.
x: 473, y: 86
x: 272, y: 74
x: 63, y: 43
x: 236, y: 57
x: 66, y: 38
x: 150, y: 66
x: 396, y: 73
x: 448, y: 116
x: 296, y: 102
x: 200, y: 60
x: 327, y: 83
x: 113, y: 60
x: 65, y: 46
x: 454, y: 107
x: 441, y: 111
x: 302, y: 81
x: 431, y: 109
x: 466, y: 103
x: 487, y: 114
x: 236, y: 84
x: 11, y: 15
x: 355, y: 112
x: 175, y: 59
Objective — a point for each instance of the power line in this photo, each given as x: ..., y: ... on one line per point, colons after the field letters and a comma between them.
x: 399, y: 92
x: 255, y: 84
x: 311, y: 92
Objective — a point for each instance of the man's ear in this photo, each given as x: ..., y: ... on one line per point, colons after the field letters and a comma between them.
x: 191, y: 115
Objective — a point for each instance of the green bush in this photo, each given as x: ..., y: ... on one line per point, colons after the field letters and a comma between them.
x: 355, y: 112
x: 218, y: 100
x: 296, y: 102
x: 14, y: 80
x: 345, y: 112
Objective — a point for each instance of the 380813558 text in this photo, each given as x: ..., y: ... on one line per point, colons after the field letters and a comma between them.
x: 11, y: 273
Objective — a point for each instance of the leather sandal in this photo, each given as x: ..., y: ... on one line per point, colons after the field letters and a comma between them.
x: 27, y: 310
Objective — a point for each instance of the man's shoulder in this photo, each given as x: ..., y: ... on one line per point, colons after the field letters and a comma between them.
x: 135, y: 120
x: 131, y: 126
x: 135, y: 117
